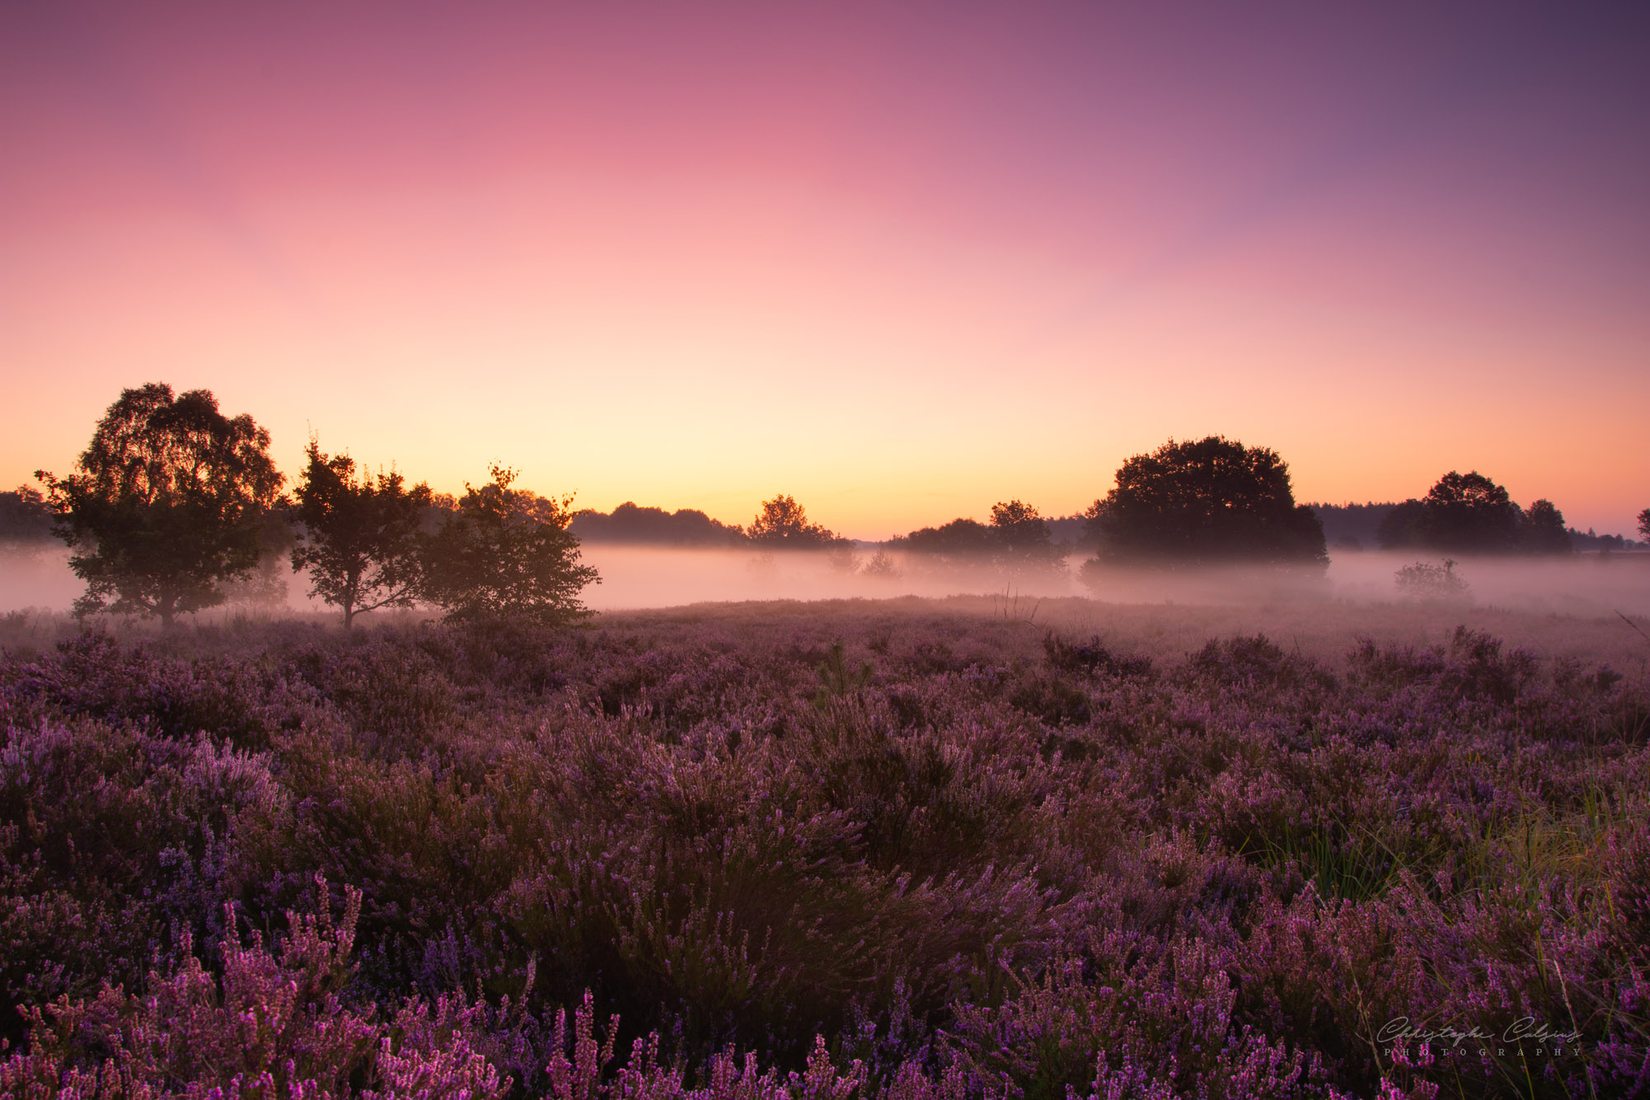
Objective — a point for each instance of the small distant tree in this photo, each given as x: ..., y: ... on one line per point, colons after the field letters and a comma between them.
x: 165, y: 505
x: 881, y: 566
x: 1021, y: 540
x: 1542, y: 530
x: 1644, y: 525
x: 358, y: 534
x: 1213, y: 500
x: 783, y: 522
x: 505, y: 553
x: 956, y: 542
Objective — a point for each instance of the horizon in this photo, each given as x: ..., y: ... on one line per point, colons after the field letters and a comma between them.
x: 896, y: 264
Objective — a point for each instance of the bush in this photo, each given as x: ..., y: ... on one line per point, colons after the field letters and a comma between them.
x: 1425, y: 581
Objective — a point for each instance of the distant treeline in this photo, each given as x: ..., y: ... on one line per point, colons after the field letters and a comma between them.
x: 647, y: 526
x: 25, y: 517
x: 1358, y: 527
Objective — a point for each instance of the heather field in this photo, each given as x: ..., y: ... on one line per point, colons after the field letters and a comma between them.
x: 904, y: 848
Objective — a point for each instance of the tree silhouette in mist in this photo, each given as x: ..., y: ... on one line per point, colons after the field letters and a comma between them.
x: 1204, y: 502
x: 783, y: 522
x: 358, y: 534
x: 506, y: 554
x: 1542, y: 530
x: 165, y: 505
x: 1021, y: 539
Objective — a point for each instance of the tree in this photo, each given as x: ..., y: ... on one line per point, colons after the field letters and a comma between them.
x: 783, y: 522
x: 506, y: 554
x: 1542, y: 530
x: 639, y: 525
x: 25, y: 516
x: 1469, y: 513
x: 1401, y: 527
x: 1644, y: 525
x: 1021, y: 539
x: 957, y: 542
x: 358, y: 535
x: 1214, y: 500
x: 165, y: 504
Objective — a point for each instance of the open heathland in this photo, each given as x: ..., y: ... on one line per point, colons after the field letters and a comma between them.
x: 908, y: 848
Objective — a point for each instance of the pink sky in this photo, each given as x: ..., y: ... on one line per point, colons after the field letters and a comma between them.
x: 897, y: 261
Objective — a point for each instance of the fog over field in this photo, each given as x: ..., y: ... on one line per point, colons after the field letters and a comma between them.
x: 36, y: 576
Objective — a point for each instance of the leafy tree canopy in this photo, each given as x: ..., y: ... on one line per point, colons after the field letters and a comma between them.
x: 1021, y: 538
x: 1469, y: 512
x: 783, y: 522
x: 1213, y: 500
x: 633, y: 523
x: 166, y: 503
x: 1542, y: 530
x: 24, y: 515
x: 961, y: 538
x: 358, y: 534
x: 506, y: 553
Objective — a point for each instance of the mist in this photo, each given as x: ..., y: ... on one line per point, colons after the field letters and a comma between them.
x: 36, y: 576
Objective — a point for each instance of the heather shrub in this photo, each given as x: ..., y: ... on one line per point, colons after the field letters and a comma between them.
x: 817, y: 851
x: 1091, y: 657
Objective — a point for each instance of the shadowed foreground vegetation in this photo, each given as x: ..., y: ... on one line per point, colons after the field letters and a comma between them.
x: 823, y: 850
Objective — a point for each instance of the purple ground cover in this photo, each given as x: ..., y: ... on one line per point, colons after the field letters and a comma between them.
x: 819, y: 851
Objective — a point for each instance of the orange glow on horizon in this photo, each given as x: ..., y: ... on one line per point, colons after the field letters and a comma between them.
x: 897, y: 264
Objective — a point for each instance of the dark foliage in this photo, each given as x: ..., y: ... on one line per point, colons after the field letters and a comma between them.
x: 505, y: 553
x: 1021, y: 541
x: 783, y: 524
x: 960, y: 541
x: 358, y: 534
x: 25, y: 516
x: 166, y: 504
x: 1469, y: 513
x: 1542, y: 531
x: 1213, y: 500
x: 642, y: 526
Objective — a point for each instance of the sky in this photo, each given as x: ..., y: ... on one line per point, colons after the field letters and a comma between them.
x: 899, y: 261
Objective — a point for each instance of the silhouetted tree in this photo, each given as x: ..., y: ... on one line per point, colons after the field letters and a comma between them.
x: 1214, y: 500
x: 1644, y: 525
x: 1021, y: 539
x: 632, y: 523
x: 1400, y: 528
x: 958, y: 541
x: 358, y: 534
x: 506, y: 554
x: 25, y: 516
x: 1469, y: 513
x: 1542, y: 530
x: 165, y: 504
x: 783, y: 522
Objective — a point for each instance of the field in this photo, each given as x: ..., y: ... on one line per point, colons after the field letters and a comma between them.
x: 898, y: 847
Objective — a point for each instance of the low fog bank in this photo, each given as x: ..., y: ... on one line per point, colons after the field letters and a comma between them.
x: 36, y: 576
